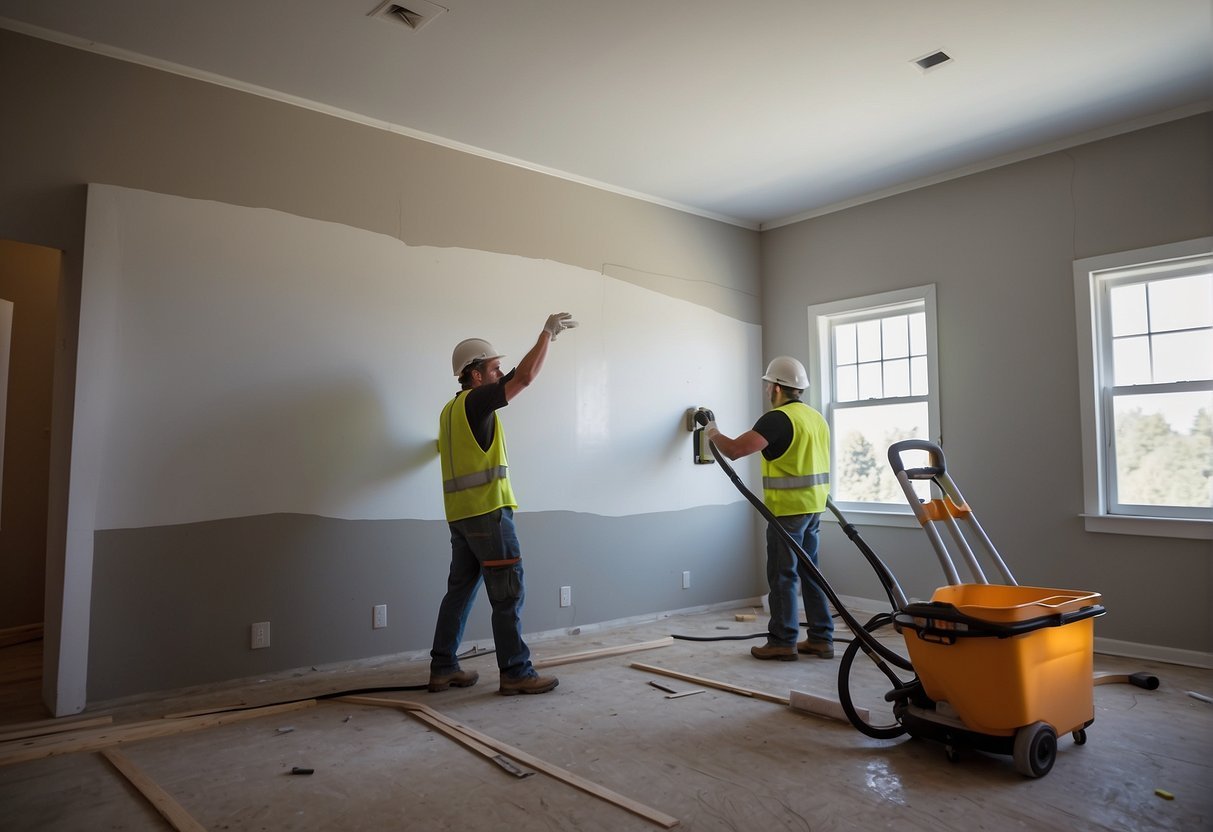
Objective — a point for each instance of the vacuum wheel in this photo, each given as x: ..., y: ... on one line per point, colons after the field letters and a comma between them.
x: 1035, y: 749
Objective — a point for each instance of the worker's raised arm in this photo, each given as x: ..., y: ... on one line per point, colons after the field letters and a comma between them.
x: 528, y: 369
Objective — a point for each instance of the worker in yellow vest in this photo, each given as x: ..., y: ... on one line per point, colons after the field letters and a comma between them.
x: 480, y: 512
x: 795, y: 443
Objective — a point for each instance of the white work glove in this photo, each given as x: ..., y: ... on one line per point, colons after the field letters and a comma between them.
x: 558, y: 323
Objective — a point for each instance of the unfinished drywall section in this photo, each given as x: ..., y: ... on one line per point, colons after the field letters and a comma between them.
x: 87, y: 118
x: 999, y: 247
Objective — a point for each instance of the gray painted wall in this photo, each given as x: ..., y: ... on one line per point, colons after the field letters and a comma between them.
x: 999, y: 247
x: 172, y: 604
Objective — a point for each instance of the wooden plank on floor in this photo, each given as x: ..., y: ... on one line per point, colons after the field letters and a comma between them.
x: 467, y: 742
x: 712, y: 683
x: 20, y: 751
x: 603, y: 652
x: 169, y: 809
x: 587, y: 786
x: 45, y: 727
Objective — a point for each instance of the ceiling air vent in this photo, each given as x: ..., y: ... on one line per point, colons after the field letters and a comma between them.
x: 412, y: 14
x: 933, y: 60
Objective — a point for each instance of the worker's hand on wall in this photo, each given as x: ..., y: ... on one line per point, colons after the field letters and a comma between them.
x: 558, y: 323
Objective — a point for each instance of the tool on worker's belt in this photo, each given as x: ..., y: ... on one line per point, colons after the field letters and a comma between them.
x: 508, y: 765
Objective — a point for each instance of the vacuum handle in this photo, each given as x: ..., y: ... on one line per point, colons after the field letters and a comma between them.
x: 935, y: 469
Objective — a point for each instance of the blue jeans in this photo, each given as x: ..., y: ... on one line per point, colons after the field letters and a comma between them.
x: 783, y: 569
x: 475, y: 544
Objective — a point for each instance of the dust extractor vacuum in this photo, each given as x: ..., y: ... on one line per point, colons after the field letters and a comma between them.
x: 992, y: 666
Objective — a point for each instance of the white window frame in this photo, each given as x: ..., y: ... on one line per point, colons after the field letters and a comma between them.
x: 1094, y: 367
x: 821, y: 380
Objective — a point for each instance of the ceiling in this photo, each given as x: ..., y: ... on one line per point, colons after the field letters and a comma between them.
x: 756, y: 112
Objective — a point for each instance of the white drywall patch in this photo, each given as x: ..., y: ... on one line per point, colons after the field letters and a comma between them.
x: 238, y: 361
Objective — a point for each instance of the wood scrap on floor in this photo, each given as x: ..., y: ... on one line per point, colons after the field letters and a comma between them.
x: 20, y: 751
x: 170, y: 809
x: 603, y: 652
x: 711, y: 683
x: 577, y: 782
x: 46, y: 727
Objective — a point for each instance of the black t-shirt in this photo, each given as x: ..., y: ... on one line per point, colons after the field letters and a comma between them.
x: 482, y: 402
x: 775, y: 426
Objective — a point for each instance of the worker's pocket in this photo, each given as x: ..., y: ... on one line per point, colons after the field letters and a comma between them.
x: 504, y: 580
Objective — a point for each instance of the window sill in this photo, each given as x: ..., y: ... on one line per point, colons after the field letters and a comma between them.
x: 1149, y: 526
x: 875, y: 518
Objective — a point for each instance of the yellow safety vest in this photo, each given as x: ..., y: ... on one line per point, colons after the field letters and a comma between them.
x: 799, y: 481
x: 474, y: 481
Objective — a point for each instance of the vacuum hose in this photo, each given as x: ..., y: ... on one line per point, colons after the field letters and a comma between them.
x: 869, y: 642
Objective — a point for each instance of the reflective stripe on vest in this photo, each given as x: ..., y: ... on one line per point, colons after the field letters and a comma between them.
x: 798, y: 481
x: 478, y: 478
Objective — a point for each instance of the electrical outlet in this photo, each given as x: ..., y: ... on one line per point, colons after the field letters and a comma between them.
x: 259, y: 635
x: 686, y: 580
x: 379, y: 617
x: 566, y: 596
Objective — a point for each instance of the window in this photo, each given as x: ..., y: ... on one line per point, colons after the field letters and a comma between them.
x: 874, y: 379
x: 1146, y: 357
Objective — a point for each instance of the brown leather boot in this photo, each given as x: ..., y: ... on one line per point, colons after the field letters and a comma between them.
x: 527, y: 684
x: 774, y: 651
x: 454, y: 679
x: 816, y: 647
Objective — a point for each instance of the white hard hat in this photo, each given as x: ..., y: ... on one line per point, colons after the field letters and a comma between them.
x: 469, y: 351
x: 788, y: 372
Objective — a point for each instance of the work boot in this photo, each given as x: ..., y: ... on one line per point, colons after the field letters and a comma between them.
x: 774, y: 651
x: 816, y: 647
x: 454, y: 679
x: 527, y: 684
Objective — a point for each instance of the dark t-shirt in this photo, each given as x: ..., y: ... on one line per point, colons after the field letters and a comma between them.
x: 776, y: 427
x: 482, y: 402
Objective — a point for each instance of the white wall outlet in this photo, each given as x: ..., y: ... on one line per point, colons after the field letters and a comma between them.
x: 259, y: 635
x: 566, y: 596
x: 379, y: 617
x: 686, y: 580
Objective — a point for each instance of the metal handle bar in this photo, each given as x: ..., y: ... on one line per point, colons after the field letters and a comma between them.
x: 937, y: 467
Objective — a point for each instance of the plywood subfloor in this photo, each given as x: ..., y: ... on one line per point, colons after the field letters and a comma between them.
x: 714, y: 760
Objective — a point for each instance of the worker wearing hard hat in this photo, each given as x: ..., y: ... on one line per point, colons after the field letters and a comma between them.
x: 480, y: 511
x: 795, y: 444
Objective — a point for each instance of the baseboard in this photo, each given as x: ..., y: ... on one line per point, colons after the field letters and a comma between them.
x: 1153, y: 652
x: 643, y: 619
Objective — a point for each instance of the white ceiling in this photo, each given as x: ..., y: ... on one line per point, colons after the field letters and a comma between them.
x: 757, y: 112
